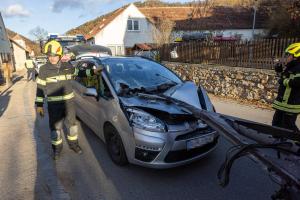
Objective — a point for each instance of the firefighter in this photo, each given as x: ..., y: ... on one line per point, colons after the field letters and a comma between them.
x: 54, y: 86
x: 30, y: 66
x: 287, y: 103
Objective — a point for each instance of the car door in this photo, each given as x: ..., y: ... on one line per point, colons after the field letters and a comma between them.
x: 106, y: 105
x: 85, y: 105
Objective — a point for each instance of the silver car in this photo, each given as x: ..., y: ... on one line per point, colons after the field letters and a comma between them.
x: 132, y: 108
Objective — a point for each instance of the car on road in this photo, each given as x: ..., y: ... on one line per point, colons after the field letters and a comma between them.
x: 132, y: 106
x: 39, y: 61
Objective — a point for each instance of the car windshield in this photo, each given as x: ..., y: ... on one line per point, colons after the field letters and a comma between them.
x: 138, y: 73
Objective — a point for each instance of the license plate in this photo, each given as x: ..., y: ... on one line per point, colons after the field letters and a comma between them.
x: 198, y: 142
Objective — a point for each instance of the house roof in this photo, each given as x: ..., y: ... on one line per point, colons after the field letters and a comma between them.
x: 144, y: 46
x: 218, y: 18
x: 17, y: 44
x: 105, y: 21
x: 30, y: 45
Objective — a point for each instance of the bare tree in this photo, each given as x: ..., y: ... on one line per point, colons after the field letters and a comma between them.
x: 284, y: 19
x: 162, y: 32
x: 202, y: 8
x: 38, y: 33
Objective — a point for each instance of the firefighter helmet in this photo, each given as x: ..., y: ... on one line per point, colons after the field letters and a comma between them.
x: 294, y: 49
x: 53, y: 48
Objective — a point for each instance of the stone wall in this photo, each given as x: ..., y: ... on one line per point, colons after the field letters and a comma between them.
x: 232, y: 82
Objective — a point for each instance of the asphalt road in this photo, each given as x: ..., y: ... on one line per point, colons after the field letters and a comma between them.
x: 92, y: 175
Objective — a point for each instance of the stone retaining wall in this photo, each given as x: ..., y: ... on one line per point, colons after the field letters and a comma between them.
x: 233, y: 82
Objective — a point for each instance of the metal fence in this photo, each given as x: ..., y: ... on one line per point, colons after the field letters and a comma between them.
x: 260, y: 53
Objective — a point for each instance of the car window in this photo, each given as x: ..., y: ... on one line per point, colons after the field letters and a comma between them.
x: 137, y: 73
x: 104, y: 89
x: 89, y: 81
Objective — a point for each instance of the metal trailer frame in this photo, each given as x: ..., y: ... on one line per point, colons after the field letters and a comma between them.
x: 277, y: 150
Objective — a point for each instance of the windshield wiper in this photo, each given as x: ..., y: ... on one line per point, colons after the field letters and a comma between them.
x: 165, y: 85
x: 126, y: 90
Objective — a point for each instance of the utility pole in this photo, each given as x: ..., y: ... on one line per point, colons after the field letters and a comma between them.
x: 254, y: 18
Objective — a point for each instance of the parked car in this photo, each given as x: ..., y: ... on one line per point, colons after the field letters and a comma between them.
x: 136, y: 115
x: 39, y: 61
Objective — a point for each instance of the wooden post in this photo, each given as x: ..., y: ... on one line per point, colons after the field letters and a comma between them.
x: 7, y: 74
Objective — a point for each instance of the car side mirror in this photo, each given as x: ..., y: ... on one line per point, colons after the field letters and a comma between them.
x: 92, y: 92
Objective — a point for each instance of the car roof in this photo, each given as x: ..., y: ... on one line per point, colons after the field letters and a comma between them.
x: 114, y: 57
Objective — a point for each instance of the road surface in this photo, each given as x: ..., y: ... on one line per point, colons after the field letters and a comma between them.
x: 28, y: 172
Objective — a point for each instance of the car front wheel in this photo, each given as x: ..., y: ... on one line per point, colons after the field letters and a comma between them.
x: 115, y: 146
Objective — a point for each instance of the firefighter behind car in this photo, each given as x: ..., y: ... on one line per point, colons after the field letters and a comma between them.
x: 287, y: 103
x: 30, y: 66
x: 54, y: 86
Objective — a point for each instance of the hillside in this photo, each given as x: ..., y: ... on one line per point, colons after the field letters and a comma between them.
x: 32, y: 45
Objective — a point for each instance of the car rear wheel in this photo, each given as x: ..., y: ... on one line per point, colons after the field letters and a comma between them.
x: 115, y: 146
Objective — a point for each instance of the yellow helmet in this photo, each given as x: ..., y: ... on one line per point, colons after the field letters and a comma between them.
x: 53, y: 48
x: 294, y: 49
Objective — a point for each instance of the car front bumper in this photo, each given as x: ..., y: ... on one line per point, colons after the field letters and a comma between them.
x: 167, y: 150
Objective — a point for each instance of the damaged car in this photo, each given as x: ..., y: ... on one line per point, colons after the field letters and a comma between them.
x: 132, y: 106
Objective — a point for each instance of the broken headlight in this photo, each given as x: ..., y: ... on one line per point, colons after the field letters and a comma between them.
x: 143, y: 120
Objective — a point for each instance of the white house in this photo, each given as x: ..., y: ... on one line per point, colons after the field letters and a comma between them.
x: 226, y: 21
x: 20, y: 53
x: 122, y: 29
x: 5, y: 48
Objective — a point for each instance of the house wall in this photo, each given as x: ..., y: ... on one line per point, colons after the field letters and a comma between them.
x: 116, y: 36
x: 246, y: 34
x: 20, y: 57
x: 5, y: 48
x: 4, y: 41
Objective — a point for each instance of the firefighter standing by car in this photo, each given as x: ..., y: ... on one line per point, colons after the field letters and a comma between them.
x: 54, y: 86
x: 287, y: 103
x: 30, y: 66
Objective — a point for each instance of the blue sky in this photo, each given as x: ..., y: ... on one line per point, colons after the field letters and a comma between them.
x: 55, y: 16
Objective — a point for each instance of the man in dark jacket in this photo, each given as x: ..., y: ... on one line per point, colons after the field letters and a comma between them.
x: 287, y: 103
x: 54, y: 86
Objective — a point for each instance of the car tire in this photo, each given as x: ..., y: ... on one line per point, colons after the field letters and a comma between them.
x: 115, y: 147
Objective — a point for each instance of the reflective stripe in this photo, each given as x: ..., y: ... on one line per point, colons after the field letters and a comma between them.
x: 40, y: 81
x: 88, y: 72
x: 286, y: 82
x: 287, y: 94
x: 39, y: 99
x: 286, y: 105
x: 76, y: 71
x: 295, y: 76
x: 56, y: 142
x: 286, y: 108
x: 61, y: 98
x: 54, y: 79
x: 72, y: 138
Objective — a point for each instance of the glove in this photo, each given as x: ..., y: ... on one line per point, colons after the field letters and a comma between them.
x: 98, y: 70
x: 278, y: 68
x: 40, y: 111
x: 68, y: 57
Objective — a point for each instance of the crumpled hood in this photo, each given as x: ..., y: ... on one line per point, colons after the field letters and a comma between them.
x: 186, y: 92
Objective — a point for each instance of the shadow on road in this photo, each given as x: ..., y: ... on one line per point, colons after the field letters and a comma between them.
x: 94, y: 176
x: 4, y: 100
x: 100, y: 177
x: 5, y: 95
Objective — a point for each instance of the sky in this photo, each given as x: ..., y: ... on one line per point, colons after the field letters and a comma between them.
x: 55, y: 16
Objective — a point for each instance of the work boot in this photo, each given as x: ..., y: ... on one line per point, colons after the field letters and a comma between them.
x: 56, y: 151
x: 75, y: 146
